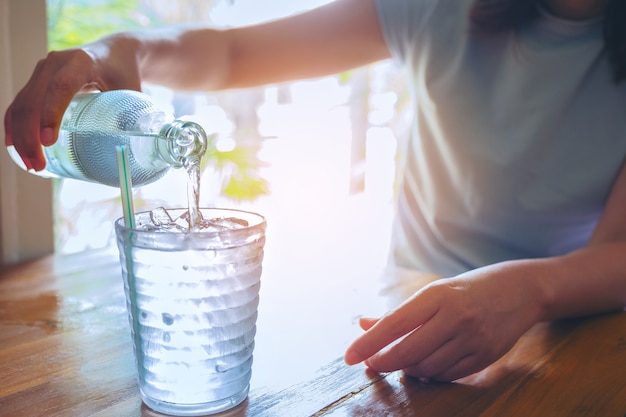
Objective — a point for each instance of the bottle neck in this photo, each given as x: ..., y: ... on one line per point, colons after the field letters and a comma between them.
x: 182, y: 142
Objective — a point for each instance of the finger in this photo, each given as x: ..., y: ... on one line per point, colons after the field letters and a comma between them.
x: 406, y: 318
x: 438, y: 361
x: 73, y: 72
x: 465, y: 366
x: 24, y: 134
x: 457, y: 369
x: 366, y: 323
x: 8, y: 138
x: 21, y: 120
x: 38, y: 108
x: 416, y: 347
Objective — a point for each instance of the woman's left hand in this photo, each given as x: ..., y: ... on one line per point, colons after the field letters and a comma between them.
x: 453, y: 327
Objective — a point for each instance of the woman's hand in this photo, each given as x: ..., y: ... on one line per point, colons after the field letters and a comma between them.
x: 452, y: 327
x: 33, y: 118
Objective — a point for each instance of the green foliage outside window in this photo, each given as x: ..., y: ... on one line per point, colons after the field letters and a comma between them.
x: 74, y: 23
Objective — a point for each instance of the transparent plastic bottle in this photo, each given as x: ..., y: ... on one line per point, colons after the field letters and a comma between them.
x: 94, y: 124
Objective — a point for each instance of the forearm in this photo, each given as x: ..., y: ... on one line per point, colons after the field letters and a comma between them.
x: 587, y: 281
x: 590, y: 280
x: 186, y: 59
x: 204, y: 58
x: 177, y: 57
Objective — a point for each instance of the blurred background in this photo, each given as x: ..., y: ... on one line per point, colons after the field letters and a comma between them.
x: 317, y: 157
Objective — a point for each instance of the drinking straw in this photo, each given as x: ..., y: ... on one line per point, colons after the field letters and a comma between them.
x: 123, y: 166
x: 126, y: 186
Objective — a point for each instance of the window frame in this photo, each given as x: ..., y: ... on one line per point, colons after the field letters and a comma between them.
x: 26, y: 206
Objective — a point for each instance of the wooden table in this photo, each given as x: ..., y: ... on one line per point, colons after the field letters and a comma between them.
x: 65, y: 350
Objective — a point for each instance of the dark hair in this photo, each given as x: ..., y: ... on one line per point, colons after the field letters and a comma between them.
x: 494, y: 16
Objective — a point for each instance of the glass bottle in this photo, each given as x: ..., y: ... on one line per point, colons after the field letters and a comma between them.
x: 94, y: 124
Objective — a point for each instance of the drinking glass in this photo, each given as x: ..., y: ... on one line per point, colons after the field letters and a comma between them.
x: 192, y: 300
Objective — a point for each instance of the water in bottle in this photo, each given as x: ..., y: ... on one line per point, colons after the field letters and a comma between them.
x: 94, y: 124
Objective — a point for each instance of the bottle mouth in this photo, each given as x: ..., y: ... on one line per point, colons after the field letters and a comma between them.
x: 187, y: 142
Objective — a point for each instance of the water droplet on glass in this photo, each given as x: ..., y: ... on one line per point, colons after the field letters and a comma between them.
x: 144, y: 314
x: 167, y: 318
x: 166, y: 337
x: 185, y: 267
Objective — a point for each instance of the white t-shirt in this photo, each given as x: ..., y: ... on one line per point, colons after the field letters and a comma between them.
x: 517, y: 139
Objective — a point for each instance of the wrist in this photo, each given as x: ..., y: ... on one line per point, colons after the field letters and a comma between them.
x: 112, y: 58
x: 541, y: 288
x: 530, y: 280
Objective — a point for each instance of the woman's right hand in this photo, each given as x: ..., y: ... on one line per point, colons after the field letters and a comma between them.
x: 33, y: 119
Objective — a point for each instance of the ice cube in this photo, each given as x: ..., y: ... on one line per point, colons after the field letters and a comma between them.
x: 160, y: 217
x: 226, y: 223
x: 236, y: 223
x: 182, y: 221
x: 206, y: 225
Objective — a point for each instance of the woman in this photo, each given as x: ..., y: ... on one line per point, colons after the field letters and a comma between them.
x: 514, y: 186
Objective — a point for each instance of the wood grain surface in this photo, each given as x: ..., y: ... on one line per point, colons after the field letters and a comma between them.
x: 65, y: 350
